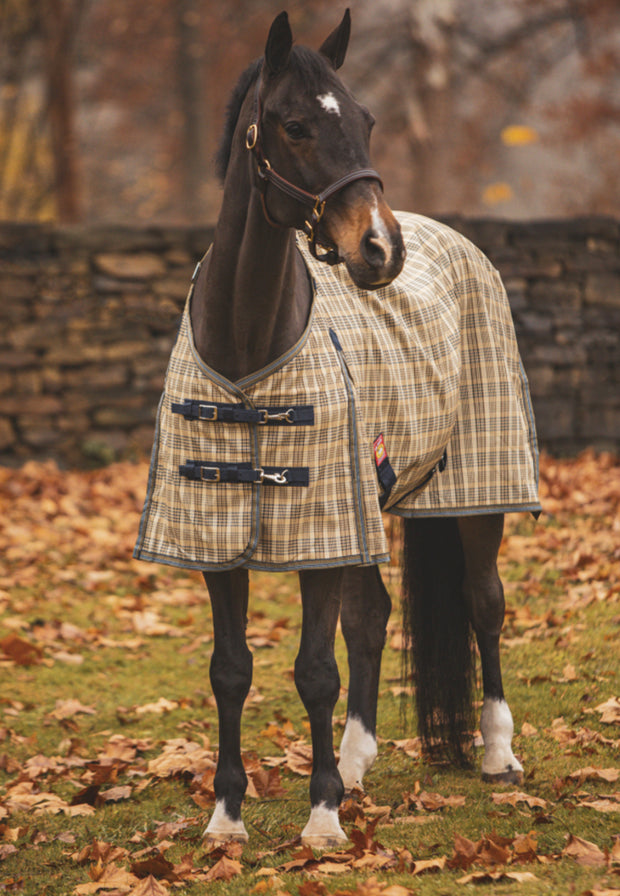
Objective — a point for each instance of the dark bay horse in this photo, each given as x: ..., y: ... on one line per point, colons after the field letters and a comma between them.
x: 295, y: 157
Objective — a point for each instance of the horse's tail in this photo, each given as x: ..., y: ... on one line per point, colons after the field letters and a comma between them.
x: 439, y: 636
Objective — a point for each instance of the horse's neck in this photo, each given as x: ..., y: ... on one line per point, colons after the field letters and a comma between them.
x: 251, y: 302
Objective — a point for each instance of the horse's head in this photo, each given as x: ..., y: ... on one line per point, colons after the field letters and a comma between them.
x: 310, y: 139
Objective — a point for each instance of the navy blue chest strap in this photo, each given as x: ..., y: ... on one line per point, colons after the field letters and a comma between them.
x: 216, y: 412
x: 213, y: 471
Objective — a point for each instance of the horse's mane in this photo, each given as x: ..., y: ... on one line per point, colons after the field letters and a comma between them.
x: 310, y: 65
x: 233, y: 110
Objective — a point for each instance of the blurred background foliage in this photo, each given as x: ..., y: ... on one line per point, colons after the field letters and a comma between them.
x: 110, y: 110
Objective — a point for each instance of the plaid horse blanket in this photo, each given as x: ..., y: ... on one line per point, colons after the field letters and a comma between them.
x: 411, y: 399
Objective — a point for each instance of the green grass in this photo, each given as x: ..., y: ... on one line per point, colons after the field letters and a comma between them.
x: 552, y: 627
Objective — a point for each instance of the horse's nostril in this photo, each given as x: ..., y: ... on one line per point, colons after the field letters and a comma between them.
x: 374, y: 249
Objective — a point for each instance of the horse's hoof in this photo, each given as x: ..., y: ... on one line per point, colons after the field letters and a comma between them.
x: 323, y: 829
x: 510, y: 776
x: 356, y: 792
x: 224, y: 829
x: 318, y: 841
x: 211, y: 840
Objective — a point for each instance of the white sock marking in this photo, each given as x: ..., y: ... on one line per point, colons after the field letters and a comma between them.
x: 497, y: 729
x: 223, y: 827
x: 323, y: 828
x: 358, y: 751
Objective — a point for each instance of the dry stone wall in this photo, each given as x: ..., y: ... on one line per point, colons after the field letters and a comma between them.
x: 88, y: 317
x: 563, y: 283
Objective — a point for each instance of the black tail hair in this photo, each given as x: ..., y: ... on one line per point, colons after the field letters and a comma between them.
x: 439, y: 636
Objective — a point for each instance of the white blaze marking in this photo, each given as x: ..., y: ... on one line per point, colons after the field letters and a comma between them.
x: 358, y: 751
x: 329, y: 103
x: 378, y: 223
x: 497, y: 728
x: 382, y: 234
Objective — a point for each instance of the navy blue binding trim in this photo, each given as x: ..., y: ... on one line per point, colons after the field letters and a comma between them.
x: 439, y: 467
x: 214, y: 471
x: 385, y: 471
x: 218, y: 412
x: 360, y: 517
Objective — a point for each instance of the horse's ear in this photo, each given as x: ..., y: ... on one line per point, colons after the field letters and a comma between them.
x: 335, y: 47
x: 279, y: 43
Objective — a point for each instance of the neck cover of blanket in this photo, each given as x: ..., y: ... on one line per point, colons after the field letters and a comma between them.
x: 410, y: 399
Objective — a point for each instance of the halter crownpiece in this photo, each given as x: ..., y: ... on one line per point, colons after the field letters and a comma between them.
x: 315, y: 201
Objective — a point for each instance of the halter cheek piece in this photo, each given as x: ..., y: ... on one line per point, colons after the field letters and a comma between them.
x: 315, y: 201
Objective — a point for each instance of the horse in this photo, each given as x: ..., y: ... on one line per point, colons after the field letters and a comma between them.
x: 294, y: 159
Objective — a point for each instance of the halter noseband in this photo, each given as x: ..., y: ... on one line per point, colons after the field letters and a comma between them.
x: 315, y: 201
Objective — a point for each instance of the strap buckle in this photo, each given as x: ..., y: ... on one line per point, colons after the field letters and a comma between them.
x: 210, y: 471
x: 217, y: 474
x: 202, y: 408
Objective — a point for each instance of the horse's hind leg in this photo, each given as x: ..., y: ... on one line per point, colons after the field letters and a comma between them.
x: 318, y: 684
x: 481, y: 537
x: 364, y: 614
x: 231, y: 677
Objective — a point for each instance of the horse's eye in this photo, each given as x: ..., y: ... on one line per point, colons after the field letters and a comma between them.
x: 294, y: 130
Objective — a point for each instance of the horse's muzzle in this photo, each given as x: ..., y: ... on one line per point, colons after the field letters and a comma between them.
x: 379, y: 259
x: 366, y: 235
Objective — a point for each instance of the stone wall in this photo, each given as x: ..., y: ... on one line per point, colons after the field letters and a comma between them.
x: 88, y: 316
x: 563, y: 283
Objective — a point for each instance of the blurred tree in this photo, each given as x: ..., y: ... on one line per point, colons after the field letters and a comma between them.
x: 190, y: 74
x: 504, y: 105
x: 448, y: 78
x: 38, y: 146
x: 60, y: 20
x: 17, y: 28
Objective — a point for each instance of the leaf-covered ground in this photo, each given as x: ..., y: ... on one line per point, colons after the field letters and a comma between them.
x: 108, y: 728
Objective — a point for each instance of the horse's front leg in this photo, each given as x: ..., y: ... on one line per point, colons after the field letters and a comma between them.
x: 318, y: 684
x: 366, y: 607
x: 231, y: 677
x: 481, y: 537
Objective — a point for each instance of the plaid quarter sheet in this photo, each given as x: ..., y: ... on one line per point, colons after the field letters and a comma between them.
x: 416, y: 402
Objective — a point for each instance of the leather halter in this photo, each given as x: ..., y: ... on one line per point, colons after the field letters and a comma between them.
x: 315, y: 201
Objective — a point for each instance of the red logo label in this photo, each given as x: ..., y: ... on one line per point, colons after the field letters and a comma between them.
x: 380, y: 450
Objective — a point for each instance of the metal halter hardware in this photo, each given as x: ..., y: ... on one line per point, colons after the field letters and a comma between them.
x: 315, y: 201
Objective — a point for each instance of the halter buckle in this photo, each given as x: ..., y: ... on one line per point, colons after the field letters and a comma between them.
x: 251, y: 138
x: 263, y: 167
x: 315, y: 217
x: 317, y: 211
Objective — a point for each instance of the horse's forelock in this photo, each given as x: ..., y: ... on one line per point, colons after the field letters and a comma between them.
x: 313, y: 69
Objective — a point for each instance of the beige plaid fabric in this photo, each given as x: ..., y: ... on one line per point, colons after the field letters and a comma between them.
x: 429, y: 362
